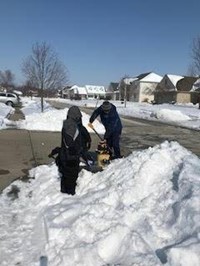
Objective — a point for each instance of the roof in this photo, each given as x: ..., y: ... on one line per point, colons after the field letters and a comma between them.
x: 92, y: 89
x: 79, y: 90
x: 186, y: 83
x: 114, y: 85
x: 196, y: 85
x: 128, y: 81
x: 141, y: 76
x: 174, y: 79
x: 150, y: 77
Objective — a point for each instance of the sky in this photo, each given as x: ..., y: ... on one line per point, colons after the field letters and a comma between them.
x: 101, y: 41
x: 134, y: 212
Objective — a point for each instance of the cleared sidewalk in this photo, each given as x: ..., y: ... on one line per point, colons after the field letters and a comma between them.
x: 22, y: 150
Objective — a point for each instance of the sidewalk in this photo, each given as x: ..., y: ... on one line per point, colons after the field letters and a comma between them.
x: 21, y: 150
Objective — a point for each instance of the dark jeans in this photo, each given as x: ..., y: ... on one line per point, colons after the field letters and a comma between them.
x: 113, y: 143
x: 69, y: 175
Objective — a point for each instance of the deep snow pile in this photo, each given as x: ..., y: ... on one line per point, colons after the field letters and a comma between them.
x: 51, y: 119
x: 141, y: 210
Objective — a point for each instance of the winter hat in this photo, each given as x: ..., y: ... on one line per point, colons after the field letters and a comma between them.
x: 106, y: 106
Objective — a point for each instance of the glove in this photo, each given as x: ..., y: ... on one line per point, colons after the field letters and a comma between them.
x: 90, y: 125
x: 88, y: 145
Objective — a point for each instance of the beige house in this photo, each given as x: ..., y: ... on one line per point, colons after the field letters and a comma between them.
x: 143, y: 86
x: 173, y: 88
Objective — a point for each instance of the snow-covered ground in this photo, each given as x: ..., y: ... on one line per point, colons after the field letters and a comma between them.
x: 141, y: 210
x: 187, y: 115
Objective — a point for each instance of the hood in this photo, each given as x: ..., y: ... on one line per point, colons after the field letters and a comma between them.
x: 74, y: 113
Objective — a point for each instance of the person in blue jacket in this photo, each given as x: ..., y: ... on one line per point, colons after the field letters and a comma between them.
x: 113, y: 126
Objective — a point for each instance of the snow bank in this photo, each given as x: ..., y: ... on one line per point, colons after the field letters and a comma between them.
x: 141, y: 210
x: 51, y: 119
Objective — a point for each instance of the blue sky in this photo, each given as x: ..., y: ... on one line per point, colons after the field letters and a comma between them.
x: 100, y: 41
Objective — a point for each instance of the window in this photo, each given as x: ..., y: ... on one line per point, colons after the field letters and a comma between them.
x: 11, y: 95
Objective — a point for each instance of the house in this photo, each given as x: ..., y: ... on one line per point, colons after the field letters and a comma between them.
x: 173, y: 88
x: 187, y: 90
x: 143, y: 86
x: 77, y: 93
x: 64, y: 92
x: 124, y: 88
x: 113, y: 91
x: 196, y: 86
x: 94, y: 92
x: 169, y: 83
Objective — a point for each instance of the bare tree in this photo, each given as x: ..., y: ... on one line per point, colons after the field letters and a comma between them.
x: 195, y: 66
x: 44, y: 70
x: 191, y: 71
x: 7, y: 79
x: 124, y: 89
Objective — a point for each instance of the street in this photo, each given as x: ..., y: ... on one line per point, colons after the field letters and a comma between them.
x: 140, y: 134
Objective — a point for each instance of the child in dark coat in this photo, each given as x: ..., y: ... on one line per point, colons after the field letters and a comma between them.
x: 71, y: 149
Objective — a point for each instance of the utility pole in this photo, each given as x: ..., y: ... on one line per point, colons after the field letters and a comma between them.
x: 125, y: 95
x: 125, y: 91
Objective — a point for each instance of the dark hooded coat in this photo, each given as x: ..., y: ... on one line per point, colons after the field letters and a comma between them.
x: 70, y: 150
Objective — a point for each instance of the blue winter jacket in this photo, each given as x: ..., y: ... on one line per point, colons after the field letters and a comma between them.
x: 111, y: 120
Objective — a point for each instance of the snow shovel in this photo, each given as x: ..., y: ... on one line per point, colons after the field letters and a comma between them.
x: 92, y: 127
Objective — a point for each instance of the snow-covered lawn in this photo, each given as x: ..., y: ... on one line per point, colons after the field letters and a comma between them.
x: 187, y: 115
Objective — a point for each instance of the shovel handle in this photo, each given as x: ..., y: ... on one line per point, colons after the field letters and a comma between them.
x: 92, y: 127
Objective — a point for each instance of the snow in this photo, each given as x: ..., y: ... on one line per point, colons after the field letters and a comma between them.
x: 196, y: 85
x: 141, y: 210
x: 152, y: 77
x: 174, y: 79
x: 79, y: 90
x: 50, y: 120
x: 134, y: 213
x: 186, y: 115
